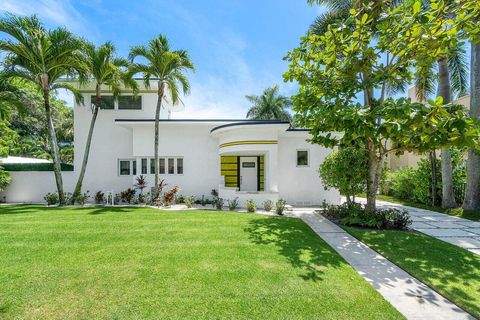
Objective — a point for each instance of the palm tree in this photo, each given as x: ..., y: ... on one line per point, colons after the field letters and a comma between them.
x: 169, y: 68
x: 105, y: 69
x: 270, y: 105
x: 472, y: 190
x: 42, y: 57
x: 10, y: 97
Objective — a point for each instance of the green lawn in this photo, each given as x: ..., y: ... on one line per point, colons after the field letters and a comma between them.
x: 140, y: 263
x: 452, y: 271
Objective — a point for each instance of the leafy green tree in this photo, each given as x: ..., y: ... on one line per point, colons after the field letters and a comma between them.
x: 270, y: 105
x: 345, y: 170
x: 169, y: 67
x: 365, y: 55
x: 40, y: 56
x: 104, y: 69
x: 11, y: 98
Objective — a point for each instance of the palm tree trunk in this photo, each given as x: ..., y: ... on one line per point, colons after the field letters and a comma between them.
x: 54, y: 148
x: 433, y: 164
x: 78, y: 186
x: 161, y: 86
x: 374, y: 172
x: 444, y: 90
x: 472, y: 190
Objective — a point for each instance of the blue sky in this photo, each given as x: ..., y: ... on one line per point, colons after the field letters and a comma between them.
x: 236, y: 45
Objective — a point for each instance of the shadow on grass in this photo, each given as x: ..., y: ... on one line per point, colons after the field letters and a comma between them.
x: 27, y: 208
x: 450, y: 270
x: 24, y: 208
x: 297, y: 242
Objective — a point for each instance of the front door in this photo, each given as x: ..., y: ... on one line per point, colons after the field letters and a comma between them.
x: 248, y: 174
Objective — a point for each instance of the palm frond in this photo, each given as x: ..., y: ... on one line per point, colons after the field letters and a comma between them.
x: 458, y: 70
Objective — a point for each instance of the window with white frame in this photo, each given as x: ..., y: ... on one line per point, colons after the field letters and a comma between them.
x: 302, y: 158
x: 166, y: 165
x: 127, y: 167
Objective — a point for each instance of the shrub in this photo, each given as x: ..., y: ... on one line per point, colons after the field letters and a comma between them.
x: 169, y: 196
x: 250, y: 205
x: 232, y: 204
x: 51, y: 198
x: 141, y: 183
x: 280, y: 206
x: 189, y: 201
x: 218, y: 203
x: 180, y: 199
x: 99, y: 197
x: 82, y: 198
x: 345, y: 170
x: 127, y: 195
x: 5, y: 179
x: 379, y: 219
x: 68, y: 197
x: 268, y: 205
x: 214, y: 193
x: 403, y: 184
x: 341, y: 211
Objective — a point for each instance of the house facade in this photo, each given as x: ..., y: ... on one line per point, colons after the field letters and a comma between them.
x: 248, y: 159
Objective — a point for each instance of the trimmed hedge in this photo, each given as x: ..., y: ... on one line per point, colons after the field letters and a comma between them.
x: 35, y: 166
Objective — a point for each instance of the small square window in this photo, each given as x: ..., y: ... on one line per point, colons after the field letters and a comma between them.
x: 124, y: 167
x: 302, y: 158
x: 144, y: 166
x: 162, y: 166
x: 171, y: 166
x: 180, y: 166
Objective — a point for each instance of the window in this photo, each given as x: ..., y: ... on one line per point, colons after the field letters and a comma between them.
x: 161, y: 166
x: 171, y: 166
x: 106, y: 102
x: 152, y: 166
x: 129, y: 103
x: 134, y: 167
x: 180, y: 166
x: 144, y: 166
x: 302, y: 158
x: 124, y: 166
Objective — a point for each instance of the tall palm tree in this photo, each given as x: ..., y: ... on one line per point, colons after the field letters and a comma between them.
x: 270, y: 105
x: 104, y: 69
x: 169, y: 67
x: 42, y: 57
x: 472, y: 190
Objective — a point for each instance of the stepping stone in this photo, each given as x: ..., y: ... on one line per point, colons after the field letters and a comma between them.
x: 447, y: 232
x: 446, y: 225
x: 466, y: 243
x: 421, y: 225
x: 469, y: 224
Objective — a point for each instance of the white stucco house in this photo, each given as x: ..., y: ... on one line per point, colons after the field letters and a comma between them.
x: 248, y: 159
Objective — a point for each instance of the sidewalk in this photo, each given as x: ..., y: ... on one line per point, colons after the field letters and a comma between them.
x: 408, y: 295
x: 458, y: 231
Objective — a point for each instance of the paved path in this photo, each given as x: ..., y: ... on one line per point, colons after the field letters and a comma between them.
x: 408, y: 295
x: 458, y: 231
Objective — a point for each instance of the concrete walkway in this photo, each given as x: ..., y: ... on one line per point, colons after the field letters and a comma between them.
x: 408, y: 295
x: 458, y: 231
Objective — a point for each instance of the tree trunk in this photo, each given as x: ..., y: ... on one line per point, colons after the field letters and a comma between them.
x: 161, y: 87
x: 78, y: 186
x: 445, y: 91
x: 54, y: 148
x: 433, y: 165
x: 472, y: 190
x: 374, y: 172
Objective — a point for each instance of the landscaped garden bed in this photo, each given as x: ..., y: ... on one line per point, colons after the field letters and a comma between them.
x: 142, y: 263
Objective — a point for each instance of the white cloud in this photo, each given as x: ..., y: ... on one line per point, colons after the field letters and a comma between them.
x: 52, y: 12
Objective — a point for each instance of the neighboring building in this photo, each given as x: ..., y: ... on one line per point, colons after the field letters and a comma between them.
x: 247, y: 159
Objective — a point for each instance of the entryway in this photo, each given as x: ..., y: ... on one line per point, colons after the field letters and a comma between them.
x: 248, y: 173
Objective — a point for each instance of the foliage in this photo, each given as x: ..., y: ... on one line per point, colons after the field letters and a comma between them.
x: 99, y: 197
x: 82, y: 198
x: 403, y: 184
x: 169, y: 196
x: 126, y: 196
x: 270, y: 105
x: 250, y: 205
x: 268, y: 205
x: 218, y: 203
x: 280, y: 206
x: 379, y: 219
x: 338, y: 212
x: 5, y: 179
x: 51, y: 198
x: 140, y: 183
x: 232, y: 204
x: 345, y: 170
x: 366, y: 54
x: 189, y: 201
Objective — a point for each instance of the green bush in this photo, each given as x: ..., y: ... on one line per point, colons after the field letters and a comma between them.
x: 403, y: 184
x: 51, y: 198
x: 189, y: 201
x: 268, y: 205
x: 280, y: 206
x: 232, y: 204
x: 345, y: 170
x: 5, y: 179
x: 250, y: 205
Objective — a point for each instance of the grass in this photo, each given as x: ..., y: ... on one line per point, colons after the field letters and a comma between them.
x: 141, y: 263
x: 457, y: 212
x: 452, y: 271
